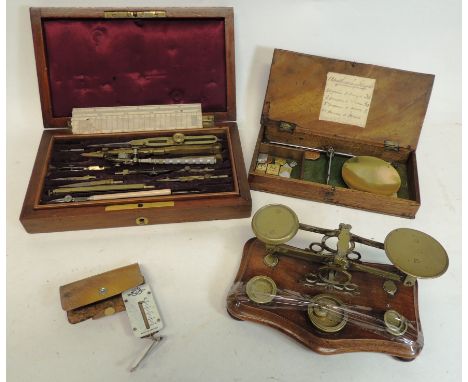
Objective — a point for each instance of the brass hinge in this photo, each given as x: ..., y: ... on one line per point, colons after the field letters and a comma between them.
x: 287, y: 127
x: 391, y: 146
x: 134, y: 14
x: 208, y: 120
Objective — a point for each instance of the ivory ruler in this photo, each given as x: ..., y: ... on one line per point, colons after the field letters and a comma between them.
x: 136, y: 118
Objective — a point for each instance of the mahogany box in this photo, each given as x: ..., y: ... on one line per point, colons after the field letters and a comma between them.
x: 108, y: 57
x: 356, y: 109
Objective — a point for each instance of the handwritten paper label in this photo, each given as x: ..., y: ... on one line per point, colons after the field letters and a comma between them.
x: 347, y: 99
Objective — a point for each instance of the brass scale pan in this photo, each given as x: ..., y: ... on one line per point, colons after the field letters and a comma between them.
x: 412, y: 252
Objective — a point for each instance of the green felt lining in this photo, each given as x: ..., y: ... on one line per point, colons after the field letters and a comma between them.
x: 316, y: 170
x: 296, y: 171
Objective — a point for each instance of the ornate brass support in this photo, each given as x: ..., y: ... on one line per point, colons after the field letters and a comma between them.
x: 413, y: 253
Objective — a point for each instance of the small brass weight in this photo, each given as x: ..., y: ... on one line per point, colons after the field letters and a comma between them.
x: 414, y: 254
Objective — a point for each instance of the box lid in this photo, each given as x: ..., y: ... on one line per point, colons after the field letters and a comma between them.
x: 91, y: 57
x: 100, y: 287
x: 328, y: 97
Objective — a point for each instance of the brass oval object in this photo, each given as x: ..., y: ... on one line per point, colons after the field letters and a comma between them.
x: 371, y: 174
x: 261, y: 289
x: 275, y: 224
x: 325, y: 313
x: 395, y: 323
x: 142, y: 221
x: 416, y: 253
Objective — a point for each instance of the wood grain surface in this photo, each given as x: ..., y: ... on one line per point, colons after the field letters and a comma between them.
x: 100, y: 287
x: 397, y: 111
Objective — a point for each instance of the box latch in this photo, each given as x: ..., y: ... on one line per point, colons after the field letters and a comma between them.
x: 391, y: 146
x: 134, y: 14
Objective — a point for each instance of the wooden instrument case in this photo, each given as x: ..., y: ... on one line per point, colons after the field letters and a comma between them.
x: 140, y: 84
x: 291, y: 115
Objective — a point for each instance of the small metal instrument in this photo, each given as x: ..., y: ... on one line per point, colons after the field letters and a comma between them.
x: 174, y: 140
x: 330, y: 155
x: 306, y: 148
x: 156, y: 340
x: 74, y: 150
x: 85, y: 177
x: 92, y: 183
x: 128, y: 152
x: 154, y: 171
x: 414, y: 253
x: 119, y: 195
x: 107, y: 187
x: 144, y: 317
x: 175, y: 160
x: 79, y: 168
x: 191, y: 178
x: 142, y: 311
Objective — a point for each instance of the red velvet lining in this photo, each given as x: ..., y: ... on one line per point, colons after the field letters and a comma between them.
x: 136, y: 62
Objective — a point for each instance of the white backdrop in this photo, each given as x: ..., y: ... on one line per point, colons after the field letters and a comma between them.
x: 192, y: 265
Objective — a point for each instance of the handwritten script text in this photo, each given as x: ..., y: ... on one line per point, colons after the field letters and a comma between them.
x: 347, y: 99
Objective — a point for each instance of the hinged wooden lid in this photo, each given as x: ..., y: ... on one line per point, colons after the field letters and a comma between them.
x: 92, y: 57
x: 296, y: 91
x: 100, y: 287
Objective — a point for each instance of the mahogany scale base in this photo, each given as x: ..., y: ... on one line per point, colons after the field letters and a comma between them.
x: 288, y: 275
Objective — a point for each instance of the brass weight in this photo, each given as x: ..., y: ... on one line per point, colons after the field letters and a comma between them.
x: 326, y: 313
x: 395, y: 323
x: 261, y: 289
